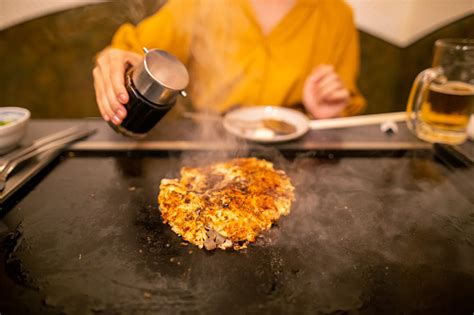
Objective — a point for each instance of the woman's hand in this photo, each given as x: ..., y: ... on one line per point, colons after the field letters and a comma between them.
x: 109, y: 82
x: 324, y: 95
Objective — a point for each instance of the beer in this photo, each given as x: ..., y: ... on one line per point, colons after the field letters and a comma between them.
x: 442, y: 97
x: 445, y: 112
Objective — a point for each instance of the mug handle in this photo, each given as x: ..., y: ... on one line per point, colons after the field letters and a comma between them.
x: 422, y: 82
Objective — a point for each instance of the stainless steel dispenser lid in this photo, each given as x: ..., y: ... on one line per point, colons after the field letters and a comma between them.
x: 160, y: 77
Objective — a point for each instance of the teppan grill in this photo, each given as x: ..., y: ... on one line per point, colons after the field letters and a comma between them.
x: 378, y: 227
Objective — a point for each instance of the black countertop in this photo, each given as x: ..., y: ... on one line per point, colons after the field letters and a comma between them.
x: 189, y: 130
x: 383, y: 231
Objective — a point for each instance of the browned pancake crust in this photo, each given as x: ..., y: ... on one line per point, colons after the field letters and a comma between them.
x: 230, y: 202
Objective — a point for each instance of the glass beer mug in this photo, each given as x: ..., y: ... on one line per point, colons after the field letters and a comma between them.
x: 442, y: 97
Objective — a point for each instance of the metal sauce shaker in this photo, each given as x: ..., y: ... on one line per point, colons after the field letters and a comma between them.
x: 152, y: 87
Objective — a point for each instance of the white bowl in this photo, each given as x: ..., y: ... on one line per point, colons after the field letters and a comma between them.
x: 14, y: 130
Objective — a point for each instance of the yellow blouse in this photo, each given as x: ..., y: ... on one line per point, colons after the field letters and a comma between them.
x: 231, y: 61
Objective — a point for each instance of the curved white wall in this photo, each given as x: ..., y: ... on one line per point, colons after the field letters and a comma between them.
x: 400, y: 22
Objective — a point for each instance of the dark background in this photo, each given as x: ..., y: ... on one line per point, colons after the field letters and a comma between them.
x: 47, y: 62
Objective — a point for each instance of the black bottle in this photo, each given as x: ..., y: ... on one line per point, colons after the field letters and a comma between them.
x: 152, y: 87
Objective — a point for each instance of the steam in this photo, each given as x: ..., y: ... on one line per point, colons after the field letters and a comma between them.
x: 347, y: 206
x: 97, y: 16
x: 137, y: 10
x: 133, y: 11
x: 211, y: 90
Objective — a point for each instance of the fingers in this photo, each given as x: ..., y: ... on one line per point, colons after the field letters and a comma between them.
x: 333, y: 90
x: 309, y: 97
x: 109, y: 82
x: 118, y: 67
x: 341, y: 94
x: 133, y: 59
x: 102, y: 87
x: 312, y: 81
x: 328, y: 85
x: 100, y: 96
x: 114, y: 105
x: 324, y: 81
x: 328, y: 111
x: 321, y: 72
x: 117, y: 80
x: 328, y: 82
x: 324, y: 94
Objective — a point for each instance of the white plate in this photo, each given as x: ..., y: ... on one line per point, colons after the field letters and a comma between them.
x: 261, y: 134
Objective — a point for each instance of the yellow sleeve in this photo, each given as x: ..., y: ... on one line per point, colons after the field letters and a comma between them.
x: 347, y: 66
x: 169, y: 29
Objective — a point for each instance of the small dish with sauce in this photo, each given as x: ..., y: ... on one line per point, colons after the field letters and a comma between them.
x: 13, y: 123
x: 266, y: 124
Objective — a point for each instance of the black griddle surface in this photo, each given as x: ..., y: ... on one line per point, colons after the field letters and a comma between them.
x: 366, y: 235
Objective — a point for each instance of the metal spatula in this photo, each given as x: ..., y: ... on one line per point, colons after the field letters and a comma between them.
x: 17, y: 160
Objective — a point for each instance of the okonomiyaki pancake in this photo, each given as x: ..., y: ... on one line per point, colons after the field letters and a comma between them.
x: 225, y: 204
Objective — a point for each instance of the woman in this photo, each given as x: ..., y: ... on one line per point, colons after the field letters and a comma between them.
x: 246, y: 52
